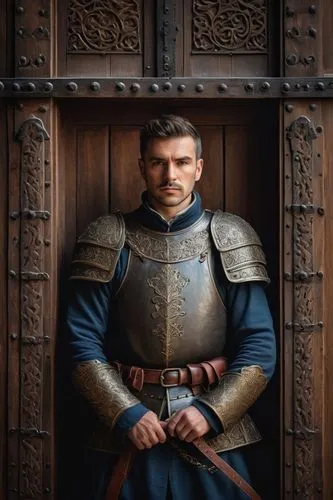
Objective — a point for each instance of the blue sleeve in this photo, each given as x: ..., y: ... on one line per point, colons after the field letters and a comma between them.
x: 250, y: 334
x: 88, y: 326
x: 250, y: 338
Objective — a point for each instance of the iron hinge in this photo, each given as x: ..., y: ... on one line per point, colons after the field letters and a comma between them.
x: 304, y: 327
x: 305, y: 209
x: 303, y: 276
x: 29, y: 432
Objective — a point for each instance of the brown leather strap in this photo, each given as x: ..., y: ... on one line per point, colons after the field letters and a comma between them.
x: 233, y: 475
x: 194, y: 374
x: 120, y: 472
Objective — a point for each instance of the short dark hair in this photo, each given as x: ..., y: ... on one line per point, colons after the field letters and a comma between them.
x: 169, y: 126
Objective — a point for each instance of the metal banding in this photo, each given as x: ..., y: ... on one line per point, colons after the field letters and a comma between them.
x: 148, y: 87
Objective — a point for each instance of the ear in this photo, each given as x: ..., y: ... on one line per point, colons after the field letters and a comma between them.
x: 198, y: 170
x: 141, y: 164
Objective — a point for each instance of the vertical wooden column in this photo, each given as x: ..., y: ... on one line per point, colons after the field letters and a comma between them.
x: 304, y: 273
x: 32, y: 297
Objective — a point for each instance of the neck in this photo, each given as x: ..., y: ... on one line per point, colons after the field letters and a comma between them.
x: 169, y: 213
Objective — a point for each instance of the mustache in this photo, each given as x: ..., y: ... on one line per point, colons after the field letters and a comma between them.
x: 173, y: 185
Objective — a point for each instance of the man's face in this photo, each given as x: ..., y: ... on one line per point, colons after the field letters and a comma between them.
x: 170, y: 169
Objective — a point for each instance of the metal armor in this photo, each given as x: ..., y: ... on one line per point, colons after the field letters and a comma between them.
x: 168, y: 312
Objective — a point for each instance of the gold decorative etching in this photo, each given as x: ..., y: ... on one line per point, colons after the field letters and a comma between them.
x: 104, y: 26
x: 98, y: 249
x: 107, y: 231
x: 168, y: 306
x: 103, y: 387
x: 235, y: 393
x: 240, y: 248
x: 167, y: 249
x: 229, y: 26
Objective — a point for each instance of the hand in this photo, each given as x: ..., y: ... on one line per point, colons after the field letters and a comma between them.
x: 188, y: 424
x: 147, y: 432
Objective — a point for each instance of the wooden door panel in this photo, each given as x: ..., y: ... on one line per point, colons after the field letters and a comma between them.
x: 126, y: 181
x: 211, y: 185
x: 92, y: 174
x: 237, y: 170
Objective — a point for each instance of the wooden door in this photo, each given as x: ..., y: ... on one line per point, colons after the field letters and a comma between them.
x: 77, y: 81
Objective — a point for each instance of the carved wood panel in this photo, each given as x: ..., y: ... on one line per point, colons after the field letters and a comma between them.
x: 304, y: 316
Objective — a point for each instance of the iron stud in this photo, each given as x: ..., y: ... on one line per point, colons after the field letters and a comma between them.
x: 72, y: 86
x: 95, y: 86
x: 199, y: 87
x: 154, y: 87
x: 135, y: 87
x: 120, y: 86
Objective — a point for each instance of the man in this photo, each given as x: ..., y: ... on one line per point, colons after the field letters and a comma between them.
x: 160, y: 296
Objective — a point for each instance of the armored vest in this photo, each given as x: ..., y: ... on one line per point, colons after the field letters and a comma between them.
x: 168, y: 311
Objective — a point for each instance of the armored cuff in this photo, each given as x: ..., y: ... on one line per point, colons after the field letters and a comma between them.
x: 102, y: 386
x: 235, y: 393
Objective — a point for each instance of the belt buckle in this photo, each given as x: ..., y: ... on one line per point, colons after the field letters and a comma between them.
x: 162, y: 375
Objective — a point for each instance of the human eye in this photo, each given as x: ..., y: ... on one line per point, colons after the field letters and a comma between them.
x: 182, y: 162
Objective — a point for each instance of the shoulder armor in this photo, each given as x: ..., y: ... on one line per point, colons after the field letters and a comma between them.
x: 240, y: 248
x: 98, y: 248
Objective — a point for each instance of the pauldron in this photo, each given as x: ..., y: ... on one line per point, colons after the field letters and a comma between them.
x: 98, y: 249
x: 103, y: 387
x: 235, y: 394
x: 240, y: 248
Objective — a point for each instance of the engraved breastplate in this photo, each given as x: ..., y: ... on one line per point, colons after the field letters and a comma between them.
x: 168, y: 311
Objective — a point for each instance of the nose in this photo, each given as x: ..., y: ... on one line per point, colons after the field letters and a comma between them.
x: 170, y: 171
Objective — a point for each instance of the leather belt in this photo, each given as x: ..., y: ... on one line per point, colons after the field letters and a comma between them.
x: 224, y: 467
x: 125, y: 461
x: 194, y: 374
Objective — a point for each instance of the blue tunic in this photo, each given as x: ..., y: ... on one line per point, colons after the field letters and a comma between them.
x: 160, y: 473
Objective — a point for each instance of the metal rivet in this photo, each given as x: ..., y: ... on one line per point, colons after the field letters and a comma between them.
x: 289, y: 12
x: 19, y: 9
x: 2, y: 87
x: 154, y: 87
x: 181, y: 87
x: 312, y: 9
x: 297, y: 86
x: 47, y: 243
x: 319, y: 129
x: 135, y: 87
x: 16, y: 87
x: 19, y: 106
x: 148, y: 66
x: 13, y: 336
x: 14, y: 215
x: 320, y: 86
x: 199, y: 87
x: 312, y: 32
x: 120, y: 86
x: 12, y: 273
x: 291, y: 59
x: 23, y: 61
x: 265, y: 86
x: 249, y: 87
x: 47, y: 490
x: 306, y: 87
x: 42, y: 12
x: 20, y: 32
x: 30, y: 87
x: 285, y: 87
x: 71, y: 86
x: 48, y: 87
x: 312, y: 107
x: 167, y: 86
x: 223, y: 87
x: 95, y: 86
x: 289, y: 108
x: 40, y: 60
x: 47, y: 162
x: 297, y: 158
x: 42, y: 109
